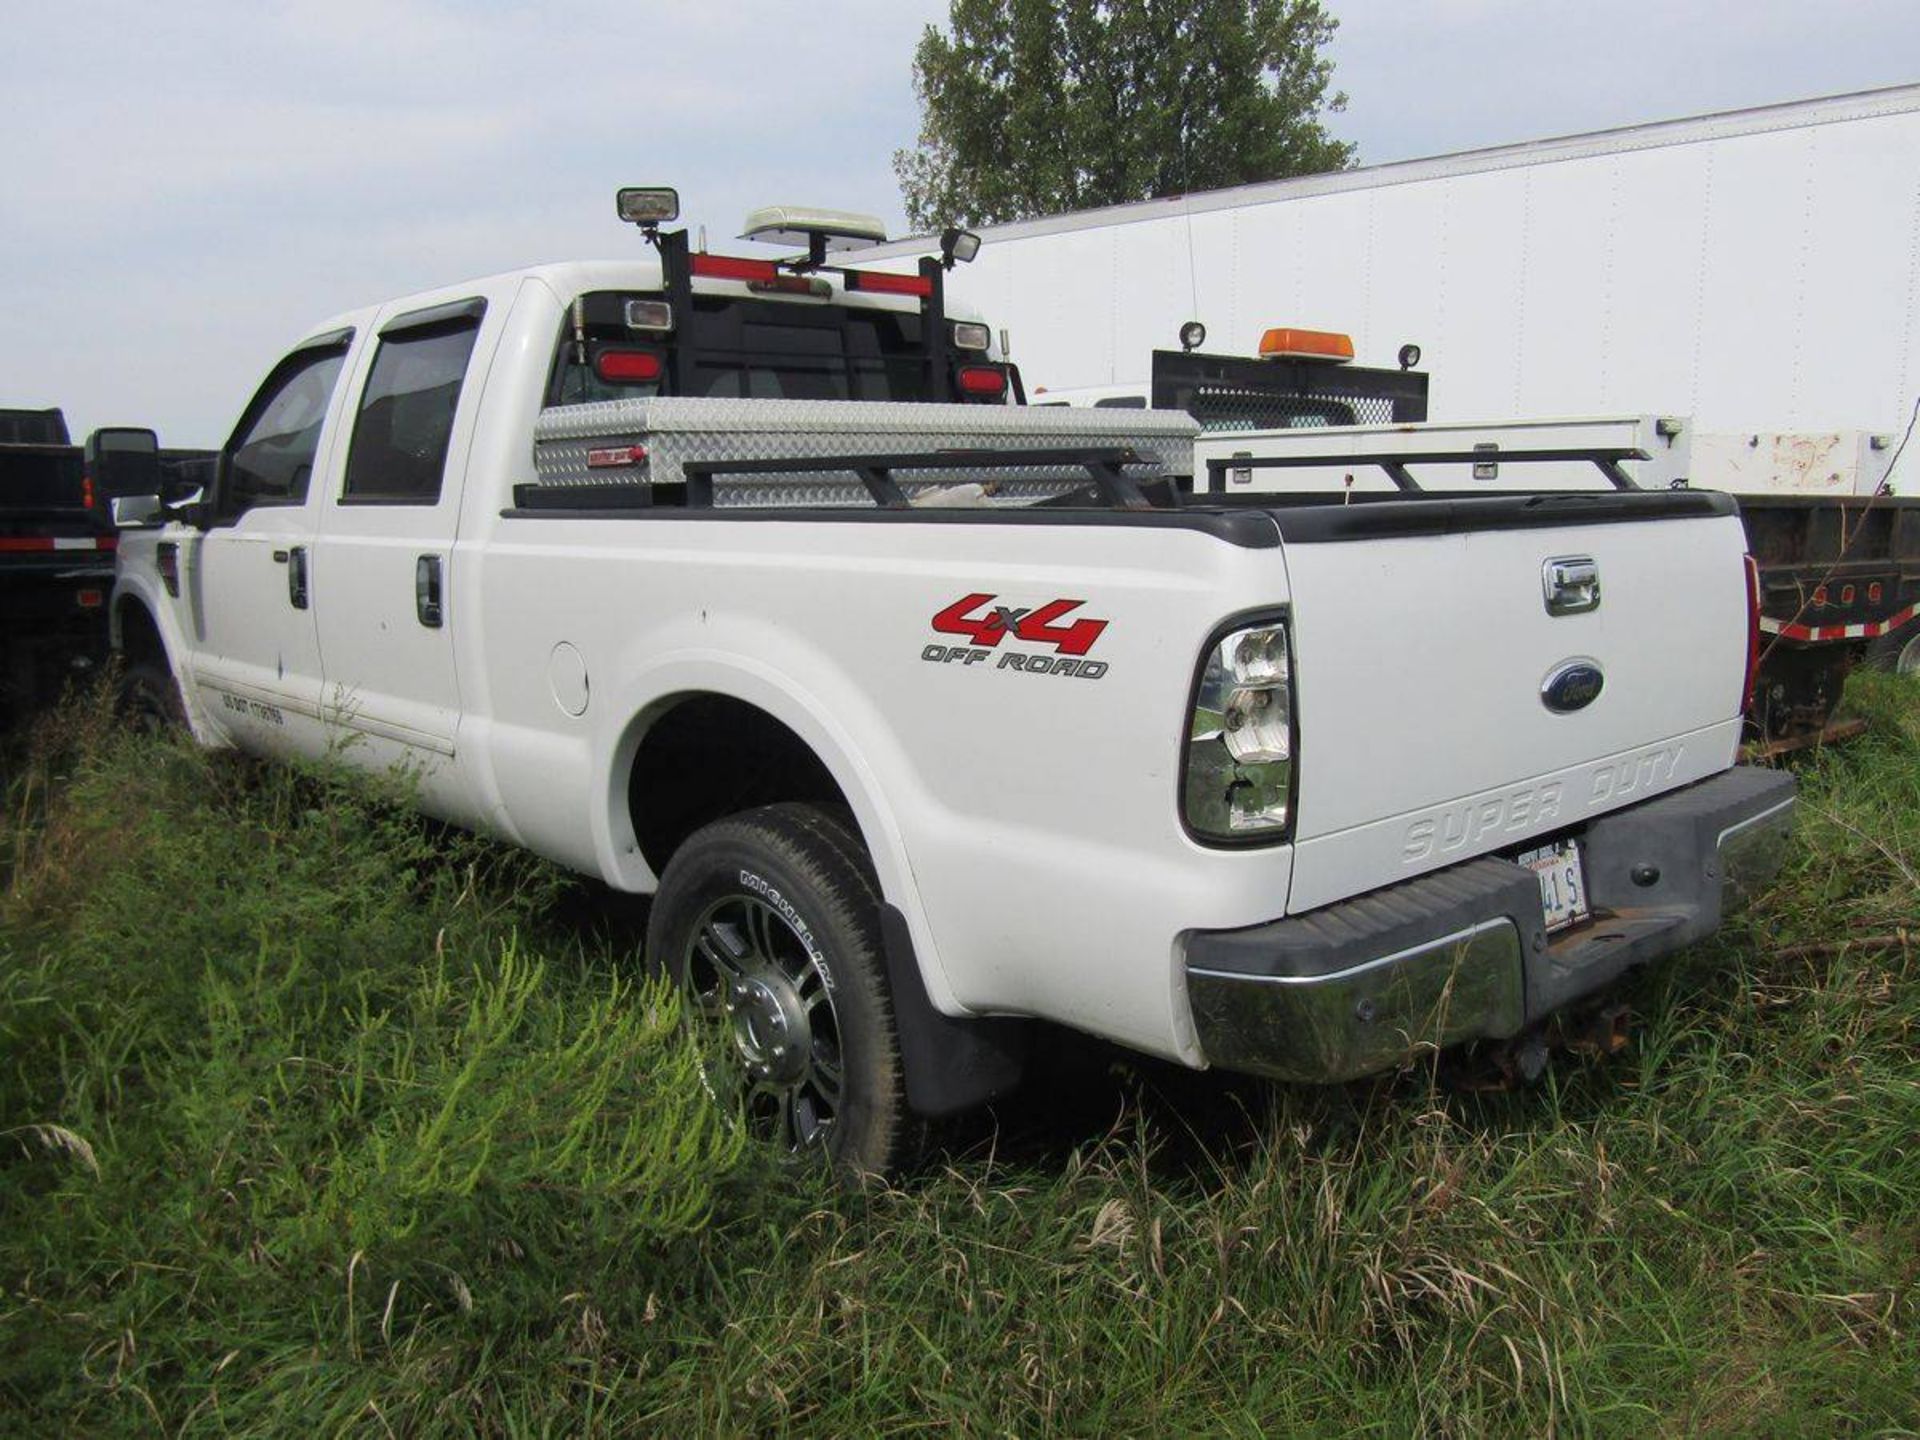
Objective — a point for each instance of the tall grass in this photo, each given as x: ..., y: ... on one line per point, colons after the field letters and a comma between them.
x: 317, y: 1117
x: 341, y: 1123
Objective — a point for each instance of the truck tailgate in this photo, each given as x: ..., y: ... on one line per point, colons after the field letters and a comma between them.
x: 1424, y: 647
x: 42, y: 485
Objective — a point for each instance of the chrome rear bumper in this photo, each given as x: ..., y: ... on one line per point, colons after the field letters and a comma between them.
x: 1463, y: 954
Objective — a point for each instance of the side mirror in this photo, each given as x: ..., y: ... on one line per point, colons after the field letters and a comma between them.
x: 185, y: 485
x: 132, y: 511
x: 123, y: 460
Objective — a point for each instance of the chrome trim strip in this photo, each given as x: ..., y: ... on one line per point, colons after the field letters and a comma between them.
x: 1752, y: 820
x: 1334, y: 977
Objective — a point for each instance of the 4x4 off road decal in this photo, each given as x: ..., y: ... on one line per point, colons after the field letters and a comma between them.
x: 985, y: 622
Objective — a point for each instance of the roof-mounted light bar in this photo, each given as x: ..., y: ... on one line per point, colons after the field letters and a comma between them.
x: 1286, y: 343
x: 808, y: 224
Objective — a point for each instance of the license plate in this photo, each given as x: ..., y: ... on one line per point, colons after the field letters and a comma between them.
x: 1563, y: 889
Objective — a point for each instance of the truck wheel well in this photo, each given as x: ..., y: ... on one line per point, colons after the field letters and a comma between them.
x: 140, y: 641
x: 711, y: 756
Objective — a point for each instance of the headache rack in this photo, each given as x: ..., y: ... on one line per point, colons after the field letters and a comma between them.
x: 1105, y: 468
x: 1232, y: 393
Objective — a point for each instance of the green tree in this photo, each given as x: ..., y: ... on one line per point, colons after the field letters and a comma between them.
x: 1032, y: 107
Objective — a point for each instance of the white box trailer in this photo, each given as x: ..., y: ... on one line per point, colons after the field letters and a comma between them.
x: 1757, y: 271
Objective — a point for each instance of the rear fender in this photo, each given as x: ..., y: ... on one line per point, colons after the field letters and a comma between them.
x: 867, y: 767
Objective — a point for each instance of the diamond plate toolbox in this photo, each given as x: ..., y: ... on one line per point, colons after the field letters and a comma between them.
x: 677, y: 429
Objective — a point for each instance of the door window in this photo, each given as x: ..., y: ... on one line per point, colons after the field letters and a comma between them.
x: 400, y: 437
x: 270, y: 458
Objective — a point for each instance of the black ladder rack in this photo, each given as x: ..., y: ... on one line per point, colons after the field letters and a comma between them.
x: 1605, y: 460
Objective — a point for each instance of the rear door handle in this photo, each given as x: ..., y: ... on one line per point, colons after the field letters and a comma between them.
x: 1571, y: 584
x: 426, y: 591
x: 296, y: 559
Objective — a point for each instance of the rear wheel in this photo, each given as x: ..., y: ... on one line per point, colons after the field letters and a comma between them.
x: 769, y: 922
x: 1898, y: 652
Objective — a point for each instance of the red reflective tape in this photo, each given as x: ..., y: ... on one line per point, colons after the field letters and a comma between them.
x: 732, y: 267
x: 882, y: 283
x: 40, y: 544
x: 1867, y: 630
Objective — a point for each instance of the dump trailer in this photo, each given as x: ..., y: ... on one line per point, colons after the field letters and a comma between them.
x: 57, y: 537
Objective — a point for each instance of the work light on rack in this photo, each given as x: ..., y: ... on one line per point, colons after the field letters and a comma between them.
x: 649, y: 207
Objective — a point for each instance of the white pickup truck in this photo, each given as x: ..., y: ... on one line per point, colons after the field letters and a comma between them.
x: 1309, y: 788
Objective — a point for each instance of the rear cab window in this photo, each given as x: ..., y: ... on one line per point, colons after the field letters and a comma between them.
x: 742, y: 348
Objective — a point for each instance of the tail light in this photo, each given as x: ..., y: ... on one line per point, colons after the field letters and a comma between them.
x: 1753, y: 633
x: 627, y: 367
x: 982, y: 382
x: 86, y: 492
x: 1238, y: 780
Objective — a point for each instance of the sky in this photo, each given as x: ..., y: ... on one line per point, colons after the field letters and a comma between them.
x: 187, y: 187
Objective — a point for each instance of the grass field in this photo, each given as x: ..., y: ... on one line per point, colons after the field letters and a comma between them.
x: 314, y: 1119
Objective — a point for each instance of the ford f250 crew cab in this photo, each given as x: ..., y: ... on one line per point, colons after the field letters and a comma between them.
x: 922, y: 718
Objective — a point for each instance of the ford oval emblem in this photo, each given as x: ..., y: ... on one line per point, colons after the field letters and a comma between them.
x: 1571, y: 685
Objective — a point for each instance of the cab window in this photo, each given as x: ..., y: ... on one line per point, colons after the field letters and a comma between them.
x: 400, y: 436
x: 270, y: 458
